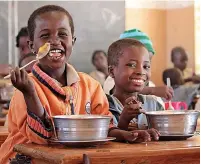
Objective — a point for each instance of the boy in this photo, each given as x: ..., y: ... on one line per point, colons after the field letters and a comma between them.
x: 179, y: 59
x: 150, y: 89
x: 54, y: 87
x: 129, y: 66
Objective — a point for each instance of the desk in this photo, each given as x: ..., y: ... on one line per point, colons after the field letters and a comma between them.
x: 162, y: 152
x: 3, y: 134
x: 2, y: 121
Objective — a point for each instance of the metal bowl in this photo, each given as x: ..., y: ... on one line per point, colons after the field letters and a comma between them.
x: 81, y: 127
x: 173, y: 122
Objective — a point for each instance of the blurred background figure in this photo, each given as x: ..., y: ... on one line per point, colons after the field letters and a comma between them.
x: 179, y: 59
x: 22, y: 42
x: 5, y: 70
x: 182, y: 93
x: 99, y: 60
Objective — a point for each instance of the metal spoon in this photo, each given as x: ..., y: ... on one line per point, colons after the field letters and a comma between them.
x: 170, y: 107
x: 43, y: 51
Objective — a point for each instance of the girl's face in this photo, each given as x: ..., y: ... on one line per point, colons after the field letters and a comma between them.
x: 132, y: 70
x: 53, y: 27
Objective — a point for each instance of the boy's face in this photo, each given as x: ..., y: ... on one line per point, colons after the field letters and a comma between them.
x: 180, y: 60
x: 53, y: 27
x: 132, y: 70
x: 100, y: 61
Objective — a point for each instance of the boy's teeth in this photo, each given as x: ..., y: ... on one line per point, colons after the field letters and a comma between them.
x: 57, y: 51
x: 138, y: 81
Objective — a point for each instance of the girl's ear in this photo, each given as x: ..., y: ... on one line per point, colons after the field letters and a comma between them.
x: 31, y: 47
x: 74, y: 39
x: 111, y: 71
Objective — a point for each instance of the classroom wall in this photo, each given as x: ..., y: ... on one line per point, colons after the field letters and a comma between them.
x: 168, y: 24
x: 152, y: 22
x: 181, y: 32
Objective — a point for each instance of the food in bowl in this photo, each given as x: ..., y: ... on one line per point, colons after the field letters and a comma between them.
x: 81, y: 127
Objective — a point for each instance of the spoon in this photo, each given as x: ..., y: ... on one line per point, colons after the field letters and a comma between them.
x: 170, y: 107
x: 43, y: 51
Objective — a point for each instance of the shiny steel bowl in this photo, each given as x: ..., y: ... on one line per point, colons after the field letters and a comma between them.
x: 173, y: 122
x: 81, y: 127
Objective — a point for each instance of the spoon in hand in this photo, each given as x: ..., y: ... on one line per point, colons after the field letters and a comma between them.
x: 170, y: 107
x: 43, y: 51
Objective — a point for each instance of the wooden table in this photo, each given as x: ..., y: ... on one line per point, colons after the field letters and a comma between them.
x: 161, y: 152
x: 2, y: 121
x: 3, y: 134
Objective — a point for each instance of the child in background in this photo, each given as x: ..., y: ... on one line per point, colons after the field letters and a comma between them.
x: 129, y: 66
x: 150, y: 89
x: 99, y: 60
x: 22, y: 42
x: 179, y: 59
x: 54, y: 87
x: 25, y: 60
x: 181, y: 92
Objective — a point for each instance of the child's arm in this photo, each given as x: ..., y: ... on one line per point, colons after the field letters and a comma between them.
x: 22, y: 82
x: 23, y: 122
x: 164, y: 91
x: 135, y: 135
x: 26, y: 110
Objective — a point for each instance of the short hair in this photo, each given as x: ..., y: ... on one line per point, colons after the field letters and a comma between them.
x: 45, y: 9
x: 97, y: 52
x: 176, y: 50
x: 116, y: 49
x: 23, y: 32
x: 174, y: 74
x: 24, y: 57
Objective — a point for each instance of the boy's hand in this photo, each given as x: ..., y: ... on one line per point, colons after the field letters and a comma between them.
x: 154, y: 134
x: 21, y: 81
x: 141, y: 135
x: 164, y: 91
x: 137, y: 136
x: 132, y: 109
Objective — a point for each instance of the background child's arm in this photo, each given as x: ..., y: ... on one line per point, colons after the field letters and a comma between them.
x: 164, y: 92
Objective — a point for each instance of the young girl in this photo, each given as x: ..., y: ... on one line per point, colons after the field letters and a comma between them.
x: 54, y: 87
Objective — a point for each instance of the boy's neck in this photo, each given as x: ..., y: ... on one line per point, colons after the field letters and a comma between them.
x: 123, y: 96
x: 57, y: 74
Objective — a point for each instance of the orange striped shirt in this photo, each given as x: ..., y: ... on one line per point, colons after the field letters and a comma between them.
x: 88, y: 97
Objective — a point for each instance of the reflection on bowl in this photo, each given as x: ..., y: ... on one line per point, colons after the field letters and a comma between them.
x: 81, y: 127
x: 177, y: 122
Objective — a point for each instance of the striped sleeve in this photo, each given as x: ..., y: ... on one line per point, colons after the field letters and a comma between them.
x: 43, y: 128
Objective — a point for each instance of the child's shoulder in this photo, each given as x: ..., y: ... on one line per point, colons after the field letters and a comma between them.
x: 86, y: 77
x: 88, y: 80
